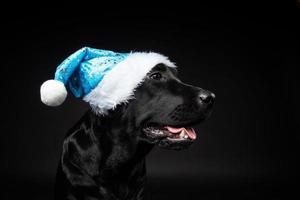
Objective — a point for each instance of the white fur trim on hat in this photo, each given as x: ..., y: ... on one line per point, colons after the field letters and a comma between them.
x: 53, y: 93
x: 119, y: 84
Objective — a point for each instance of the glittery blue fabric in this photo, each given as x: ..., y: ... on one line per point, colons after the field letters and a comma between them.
x: 83, y: 70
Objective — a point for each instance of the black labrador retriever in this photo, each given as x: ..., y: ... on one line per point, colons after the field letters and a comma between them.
x: 104, y: 157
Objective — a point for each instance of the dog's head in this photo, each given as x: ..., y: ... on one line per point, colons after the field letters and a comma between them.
x: 164, y: 109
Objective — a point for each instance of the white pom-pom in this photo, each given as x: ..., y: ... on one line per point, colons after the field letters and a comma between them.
x: 53, y: 93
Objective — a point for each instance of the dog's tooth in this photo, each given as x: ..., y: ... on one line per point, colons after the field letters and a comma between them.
x: 158, y: 132
x: 186, y: 136
x: 182, y: 134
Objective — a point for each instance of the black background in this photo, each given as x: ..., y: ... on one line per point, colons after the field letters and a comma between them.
x: 246, y: 53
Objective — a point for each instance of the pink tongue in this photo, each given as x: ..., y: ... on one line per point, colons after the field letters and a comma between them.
x: 189, y: 131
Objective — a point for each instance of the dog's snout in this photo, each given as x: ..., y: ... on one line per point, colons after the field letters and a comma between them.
x: 207, y: 97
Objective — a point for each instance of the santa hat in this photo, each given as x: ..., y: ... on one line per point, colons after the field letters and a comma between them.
x: 102, y: 78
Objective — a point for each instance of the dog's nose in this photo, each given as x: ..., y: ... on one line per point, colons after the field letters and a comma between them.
x: 207, y: 97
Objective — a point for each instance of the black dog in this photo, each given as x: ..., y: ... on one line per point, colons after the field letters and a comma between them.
x: 104, y: 157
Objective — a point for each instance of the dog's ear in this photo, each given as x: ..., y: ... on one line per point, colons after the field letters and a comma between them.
x: 123, y: 107
x: 76, y: 171
x: 118, y: 111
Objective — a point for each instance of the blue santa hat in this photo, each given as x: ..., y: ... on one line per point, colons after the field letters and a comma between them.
x: 102, y: 78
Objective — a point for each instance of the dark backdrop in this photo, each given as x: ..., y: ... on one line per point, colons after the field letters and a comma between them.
x: 247, y: 54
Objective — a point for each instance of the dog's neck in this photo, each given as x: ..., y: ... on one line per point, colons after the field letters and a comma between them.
x: 118, y: 140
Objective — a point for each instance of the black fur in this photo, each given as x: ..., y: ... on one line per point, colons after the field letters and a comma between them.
x: 103, y: 157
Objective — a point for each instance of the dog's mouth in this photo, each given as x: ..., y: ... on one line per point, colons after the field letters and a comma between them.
x: 175, y: 134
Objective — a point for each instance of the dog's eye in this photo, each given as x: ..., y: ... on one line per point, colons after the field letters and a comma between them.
x: 156, y: 76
